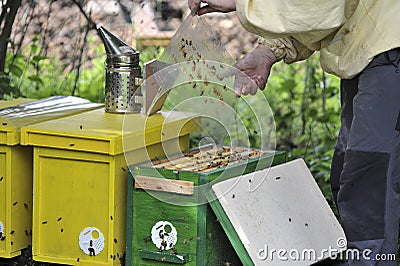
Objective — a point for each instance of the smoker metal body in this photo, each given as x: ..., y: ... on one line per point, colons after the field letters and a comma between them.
x: 122, y: 82
x: 123, y: 75
x: 124, y: 89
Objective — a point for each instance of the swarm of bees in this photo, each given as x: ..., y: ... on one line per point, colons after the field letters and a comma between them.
x: 187, y: 51
x: 207, y: 159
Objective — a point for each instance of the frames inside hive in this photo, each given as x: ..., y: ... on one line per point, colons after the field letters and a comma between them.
x: 207, y: 158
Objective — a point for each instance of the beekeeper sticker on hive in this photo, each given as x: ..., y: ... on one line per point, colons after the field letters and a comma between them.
x: 91, y: 241
x: 1, y: 230
x: 164, y: 235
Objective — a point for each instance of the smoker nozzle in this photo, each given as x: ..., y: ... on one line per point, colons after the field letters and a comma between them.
x: 113, y: 44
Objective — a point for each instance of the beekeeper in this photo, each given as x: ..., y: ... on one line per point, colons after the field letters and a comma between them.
x: 359, y: 42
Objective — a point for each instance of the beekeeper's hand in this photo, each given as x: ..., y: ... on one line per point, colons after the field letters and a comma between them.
x: 252, y: 71
x: 211, y: 6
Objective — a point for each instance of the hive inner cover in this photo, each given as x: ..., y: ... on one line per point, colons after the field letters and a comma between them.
x: 285, y: 211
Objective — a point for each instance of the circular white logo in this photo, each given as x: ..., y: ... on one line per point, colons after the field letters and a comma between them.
x: 164, y: 235
x: 91, y: 241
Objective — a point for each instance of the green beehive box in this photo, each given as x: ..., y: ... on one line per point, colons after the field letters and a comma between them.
x: 168, y: 218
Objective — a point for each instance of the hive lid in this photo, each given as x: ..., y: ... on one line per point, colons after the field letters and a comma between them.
x: 277, y: 208
x: 19, y: 113
x: 105, y: 133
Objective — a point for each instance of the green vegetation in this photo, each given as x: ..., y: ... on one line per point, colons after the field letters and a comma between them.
x: 306, y: 105
x: 304, y: 99
x: 29, y: 74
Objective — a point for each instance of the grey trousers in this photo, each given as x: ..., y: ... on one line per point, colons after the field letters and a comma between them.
x: 365, y: 173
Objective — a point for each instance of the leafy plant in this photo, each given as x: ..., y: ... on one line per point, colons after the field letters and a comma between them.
x: 306, y: 107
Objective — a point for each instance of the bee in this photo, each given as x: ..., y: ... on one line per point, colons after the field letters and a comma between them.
x: 213, y: 70
x: 216, y: 91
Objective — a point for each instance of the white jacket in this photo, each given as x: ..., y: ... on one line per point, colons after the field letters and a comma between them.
x: 348, y: 33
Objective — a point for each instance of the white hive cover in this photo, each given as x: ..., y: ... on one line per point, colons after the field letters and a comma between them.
x: 284, y: 218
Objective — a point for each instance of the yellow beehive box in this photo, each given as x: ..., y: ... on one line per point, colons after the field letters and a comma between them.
x: 80, y: 179
x: 15, y: 189
x: 16, y: 167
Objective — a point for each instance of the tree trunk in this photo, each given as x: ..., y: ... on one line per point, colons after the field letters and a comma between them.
x: 9, y: 10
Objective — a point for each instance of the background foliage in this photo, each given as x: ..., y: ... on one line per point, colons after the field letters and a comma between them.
x: 304, y: 99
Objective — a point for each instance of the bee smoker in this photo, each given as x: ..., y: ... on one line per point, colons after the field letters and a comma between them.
x: 123, y: 75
